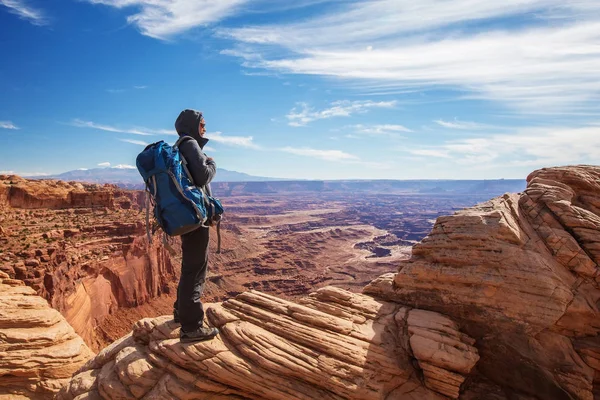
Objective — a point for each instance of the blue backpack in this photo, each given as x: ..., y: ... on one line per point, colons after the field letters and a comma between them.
x: 179, y: 206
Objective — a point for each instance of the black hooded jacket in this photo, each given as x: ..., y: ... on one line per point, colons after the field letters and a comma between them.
x: 201, y: 168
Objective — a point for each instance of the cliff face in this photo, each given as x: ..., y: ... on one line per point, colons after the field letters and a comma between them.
x: 39, y: 351
x: 81, y: 247
x: 520, y: 274
x: 24, y: 193
x: 500, y: 301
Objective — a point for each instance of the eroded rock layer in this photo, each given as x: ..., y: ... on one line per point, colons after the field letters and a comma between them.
x: 39, y: 351
x: 520, y: 274
x: 335, y: 345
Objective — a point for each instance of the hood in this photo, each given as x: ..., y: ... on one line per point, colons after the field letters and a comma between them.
x: 187, y: 124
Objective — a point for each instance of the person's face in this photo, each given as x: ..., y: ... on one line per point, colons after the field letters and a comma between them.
x: 202, y: 127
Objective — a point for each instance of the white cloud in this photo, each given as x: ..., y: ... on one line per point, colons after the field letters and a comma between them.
x: 459, y: 124
x: 124, y: 166
x: 140, y: 87
x: 380, y: 130
x: 549, y: 61
x: 303, y: 114
x: 208, y: 148
x: 164, y: 18
x: 134, y: 131
x: 328, y: 155
x: 20, y: 8
x: 7, y: 125
x: 531, y: 146
x: 242, y: 141
x: 24, y: 173
x: 138, y: 142
x: 104, y: 164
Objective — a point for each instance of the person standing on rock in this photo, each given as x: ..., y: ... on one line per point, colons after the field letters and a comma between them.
x: 188, y: 309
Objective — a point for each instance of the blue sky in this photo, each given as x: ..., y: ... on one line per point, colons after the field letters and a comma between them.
x: 321, y: 89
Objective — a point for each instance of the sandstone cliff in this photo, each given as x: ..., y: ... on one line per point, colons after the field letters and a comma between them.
x: 520, y: 275
x: 335, y: 345
x: 39, y: 351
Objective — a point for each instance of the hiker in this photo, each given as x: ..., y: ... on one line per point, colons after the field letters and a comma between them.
x: 188, y: 309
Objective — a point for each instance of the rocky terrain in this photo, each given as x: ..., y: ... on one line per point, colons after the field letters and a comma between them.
x: 83, y: 247
x: 500, y: 301
x: 39, y: 351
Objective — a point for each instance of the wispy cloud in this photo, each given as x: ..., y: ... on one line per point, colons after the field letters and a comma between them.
x: 531, y: 67
x: 138, y: 142
x: 242, y: 141
x: 124, y: 166
x: 456, y: 124
x: 379, y: 130
x: 8, y: 125
x: 134, y: 131
x: 531, y: 146
x: 121, y: 90
x: 20, y: 8
x: 26, y: 174
x: 328, y: 155
x: 303, y: 114
x: 162, y: 19
x: 104, y: 164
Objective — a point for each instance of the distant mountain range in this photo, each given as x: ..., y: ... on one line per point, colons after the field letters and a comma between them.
x: 130, y: 177
x: 238, y: 183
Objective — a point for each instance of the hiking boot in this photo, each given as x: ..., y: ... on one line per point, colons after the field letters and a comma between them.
x: 176, y: 316
x: 199, y: 335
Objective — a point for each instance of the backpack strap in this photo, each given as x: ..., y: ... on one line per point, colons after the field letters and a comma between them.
x: 219, y: 237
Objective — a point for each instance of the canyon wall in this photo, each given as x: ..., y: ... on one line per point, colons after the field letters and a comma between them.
x: 83, y: 248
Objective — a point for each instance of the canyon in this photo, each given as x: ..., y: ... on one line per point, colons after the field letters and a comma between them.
x: 332, y: 294
x: 83, y: 247
x: 499, y: 301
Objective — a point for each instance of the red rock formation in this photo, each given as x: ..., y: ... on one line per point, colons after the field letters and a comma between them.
x: 17, y: 192
x: 337, y: 345
x: 520, y: 274
x: 500, y: 301
x: 39, y: 351
x: 87, y: 260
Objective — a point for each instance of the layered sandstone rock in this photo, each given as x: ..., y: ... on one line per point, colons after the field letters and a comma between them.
x: 39, y: 350
x: 520, y: 274
x: 336, y: 345
x: 55, y: 194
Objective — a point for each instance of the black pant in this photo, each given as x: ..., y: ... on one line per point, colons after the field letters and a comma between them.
x: 194, y: 266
